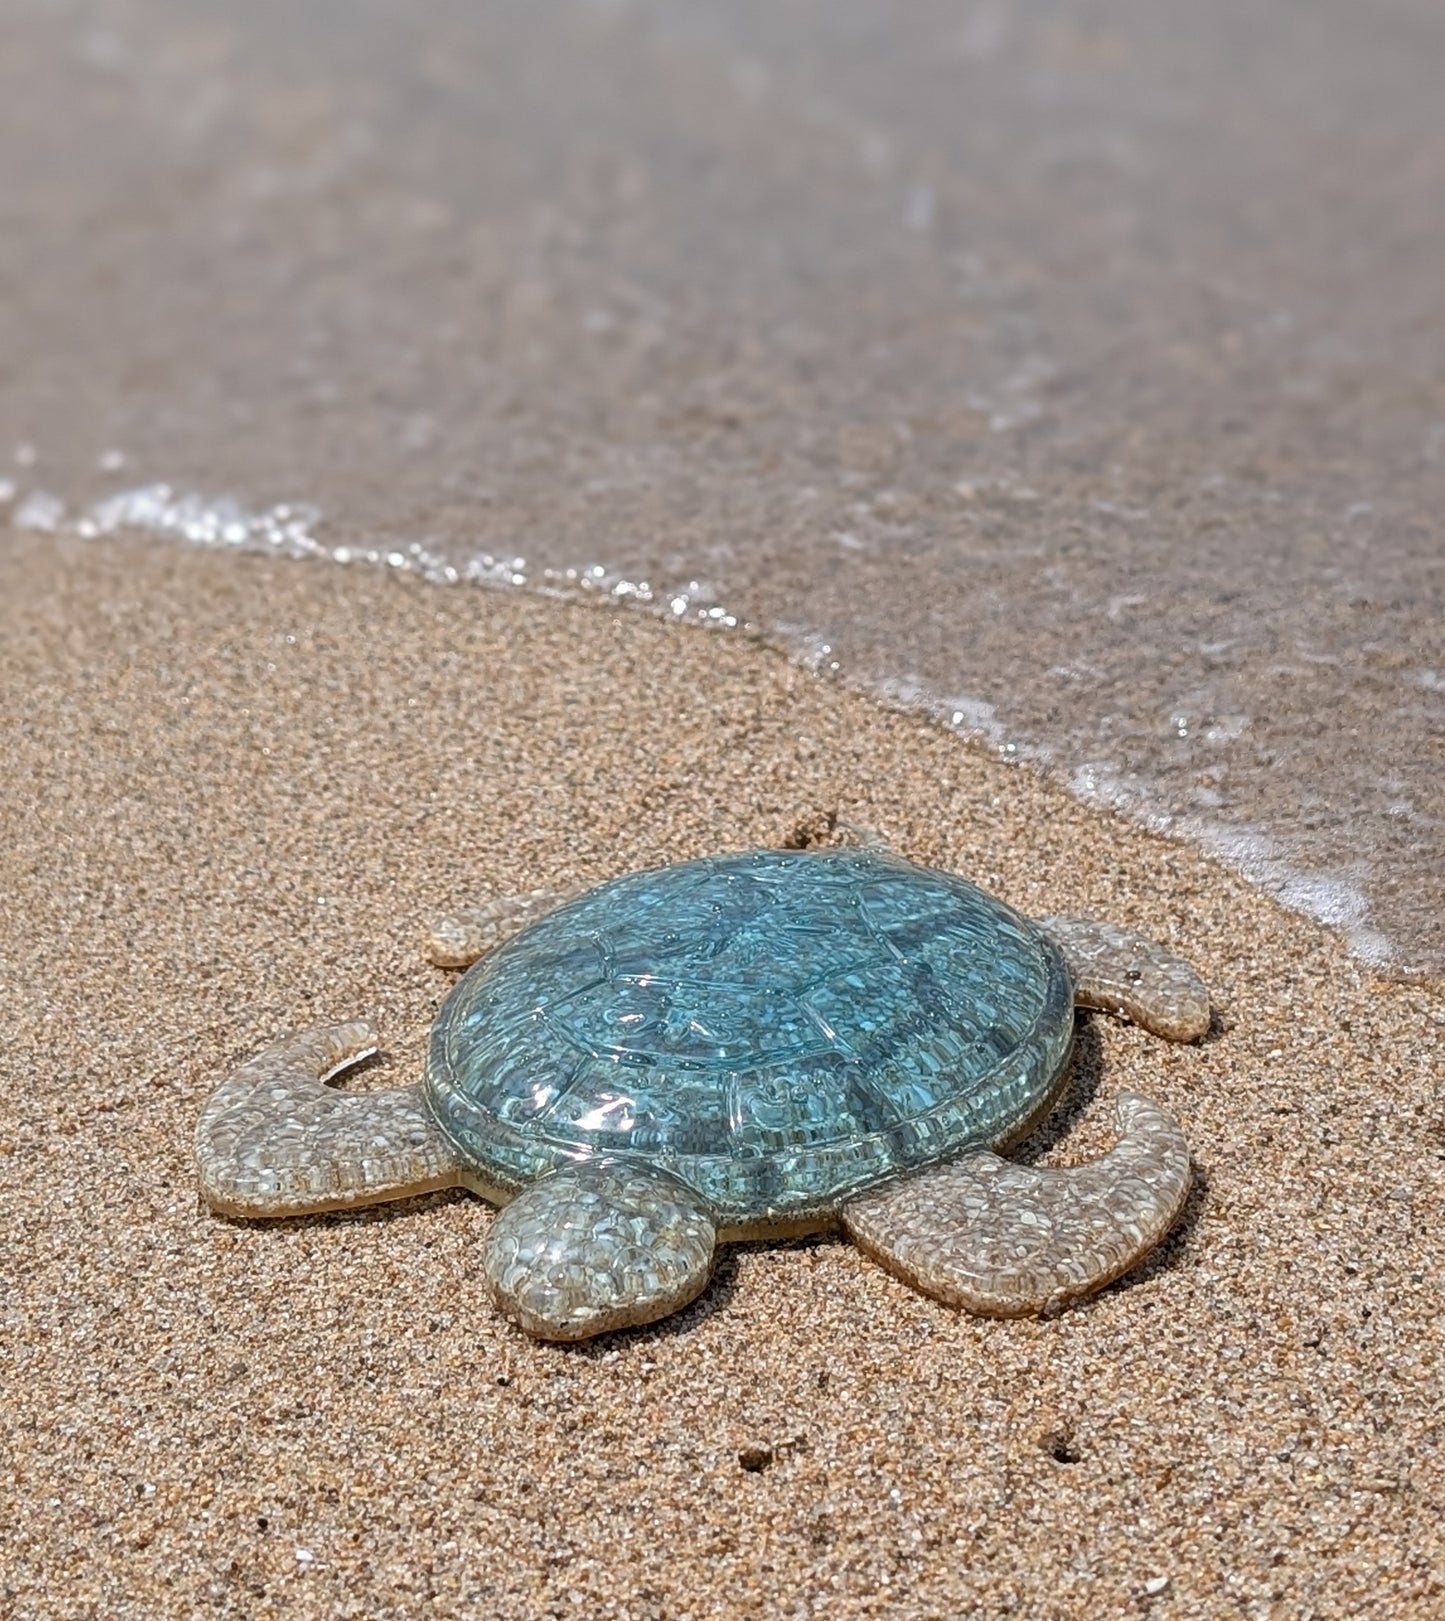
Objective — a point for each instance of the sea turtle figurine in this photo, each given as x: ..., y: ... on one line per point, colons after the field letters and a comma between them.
x: 740, y: 1047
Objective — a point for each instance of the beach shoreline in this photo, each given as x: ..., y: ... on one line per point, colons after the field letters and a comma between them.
x: 234, y: 794
x: 987, y: 361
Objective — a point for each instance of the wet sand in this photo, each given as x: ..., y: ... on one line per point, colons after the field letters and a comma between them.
x: 233, y: 794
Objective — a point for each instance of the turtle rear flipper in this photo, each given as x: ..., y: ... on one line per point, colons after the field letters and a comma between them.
x: 275, y: 1140
x: 597, y: 1246
x: 1116, y: 970
x: 1005, y: 1240
x: 469, y: 932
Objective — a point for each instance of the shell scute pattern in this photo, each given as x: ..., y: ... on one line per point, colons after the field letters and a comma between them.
x: 778, y: 1029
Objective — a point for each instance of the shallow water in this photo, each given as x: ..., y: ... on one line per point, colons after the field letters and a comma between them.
x: 1076, y: 375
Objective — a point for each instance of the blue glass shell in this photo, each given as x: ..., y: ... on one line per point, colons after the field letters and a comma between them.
x: 779, y: 1029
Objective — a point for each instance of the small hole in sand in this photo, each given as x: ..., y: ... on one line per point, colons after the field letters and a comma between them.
x: 812, y: 832
x: 1060, y: 1447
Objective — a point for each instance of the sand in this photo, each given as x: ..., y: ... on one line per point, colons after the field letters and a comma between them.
x: 233, y: 794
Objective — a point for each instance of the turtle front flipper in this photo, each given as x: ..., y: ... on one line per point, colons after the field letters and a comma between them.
x: 597, y: 1246
x: 1117, y: 971
x: 1005, y: 1240
x: 469, y: 932
x: 275, y: 1140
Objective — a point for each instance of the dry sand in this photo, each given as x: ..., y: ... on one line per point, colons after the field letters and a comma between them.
x: 232, y: 794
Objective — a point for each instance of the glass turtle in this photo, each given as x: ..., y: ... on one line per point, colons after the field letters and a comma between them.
x: 744, y: 1046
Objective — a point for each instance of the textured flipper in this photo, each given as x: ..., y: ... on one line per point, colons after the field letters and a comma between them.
x: 457, y: 940
x: 598, y: 1246
x: 1118, y: 971
x: 1006, y: 1240
x: 275, y: 1140
x: 858, y: 836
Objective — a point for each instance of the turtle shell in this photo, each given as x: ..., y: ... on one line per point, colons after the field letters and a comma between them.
x: 778, y: 1029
